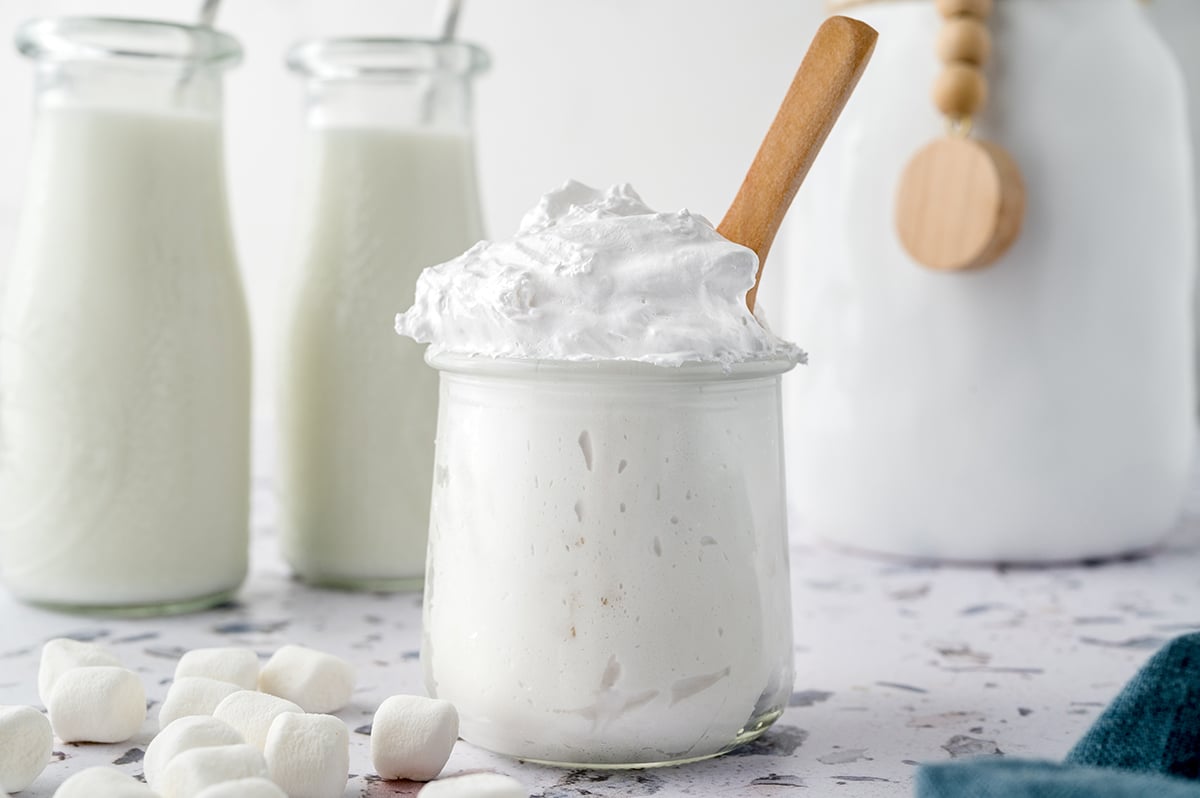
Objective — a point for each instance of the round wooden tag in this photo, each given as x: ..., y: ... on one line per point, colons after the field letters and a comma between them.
x: 960, y: 204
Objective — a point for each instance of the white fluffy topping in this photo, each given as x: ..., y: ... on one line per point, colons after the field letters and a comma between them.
x: 597, y: 275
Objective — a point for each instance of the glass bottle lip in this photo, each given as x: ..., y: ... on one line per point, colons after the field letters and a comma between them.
x: 364, y: 57
x: 143, y: 40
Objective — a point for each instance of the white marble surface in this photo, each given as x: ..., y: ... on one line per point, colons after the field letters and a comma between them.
x: 896, y: 664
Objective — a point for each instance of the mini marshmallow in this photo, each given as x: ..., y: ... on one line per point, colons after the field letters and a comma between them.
x: 25, y: 745
x: 243, y: 788
x: 251, y: 714
x: 412, y: 736
x: 194, y: 731
x: 193, y: 695
x: 100, y: 704
x: 475, y: 785
x: 103, y: 782
x: 309, y: 755
x: 317, y: 681
x: 237, y: 665
x: 190, y: 773
x: 61, y: 655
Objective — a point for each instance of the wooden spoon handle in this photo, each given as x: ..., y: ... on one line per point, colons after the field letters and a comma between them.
x: 823, y: 83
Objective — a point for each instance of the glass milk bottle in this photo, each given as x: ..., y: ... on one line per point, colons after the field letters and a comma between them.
x: 389, y: 189
x: 124, y: 350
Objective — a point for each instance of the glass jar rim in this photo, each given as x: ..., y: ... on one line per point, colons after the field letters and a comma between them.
x: 146, y: 40
x: 605, y: 370
x: 365, y: 57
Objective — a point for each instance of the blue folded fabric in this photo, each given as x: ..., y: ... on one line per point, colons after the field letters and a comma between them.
x: 1147, y: 743
x: 998, y: 777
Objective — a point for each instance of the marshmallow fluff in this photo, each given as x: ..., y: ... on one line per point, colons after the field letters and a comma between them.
x: 191, y: 772
x: 196, y: 731
x: 25, y: 745
x: 251, y: 714
x: 309, y: 755
x: 317, y: 681
x: 193, y: 695
x: 61, y: 655
x: 597, y: 275
x: 475, y: 785
x: 226, y: 664
x: 412, y: 737
x: 103, y: 782
x: 102, y: 704
x: 609, y: 430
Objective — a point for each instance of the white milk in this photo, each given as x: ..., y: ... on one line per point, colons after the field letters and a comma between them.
x: 358, y: 403
x: 124, y: 368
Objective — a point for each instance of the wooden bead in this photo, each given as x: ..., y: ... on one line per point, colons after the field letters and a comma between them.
x: 980, y: 9
x: 964, y: 40
x: 960, y: 91
x: 960, y: 204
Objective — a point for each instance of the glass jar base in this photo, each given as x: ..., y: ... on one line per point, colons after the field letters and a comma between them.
x: 149, y: 610
x: 747, y: 734
x: 403, y: 584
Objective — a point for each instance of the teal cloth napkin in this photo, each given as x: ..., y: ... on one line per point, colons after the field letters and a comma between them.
x: 1146, y: 743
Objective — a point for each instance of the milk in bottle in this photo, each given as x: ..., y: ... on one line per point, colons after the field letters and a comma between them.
x: 389, y: 189
x: 124, y: 352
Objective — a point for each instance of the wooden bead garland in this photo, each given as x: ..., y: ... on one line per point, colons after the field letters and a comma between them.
x: 961, y: 201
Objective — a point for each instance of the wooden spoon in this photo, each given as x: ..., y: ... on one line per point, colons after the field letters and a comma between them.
x: 823, y: 83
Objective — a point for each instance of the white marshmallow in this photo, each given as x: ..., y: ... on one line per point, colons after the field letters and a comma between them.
x: 243, y: 788
x: 251, y: 714
x: 194, y: 731
x: 188, y: 774
x: 61, y: 655
x: 309, y: 755
x: 100, y: 704
x: 25, y: 745
x: 475, y: 785
x: 103, y: 782
x: 317, y: 681
x: 237, y: 665
x: 412, y: 736
x: 193, y: 695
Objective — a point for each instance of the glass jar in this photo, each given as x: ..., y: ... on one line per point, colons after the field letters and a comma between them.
x: 1039, y: 409
x: 390, y: 188
x: 608, y: 564
x: 125, y: 348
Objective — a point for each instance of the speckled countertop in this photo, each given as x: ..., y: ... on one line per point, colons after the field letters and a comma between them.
x: 896, y: 664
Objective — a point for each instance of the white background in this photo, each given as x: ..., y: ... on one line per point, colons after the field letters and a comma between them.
x: 670, y: 95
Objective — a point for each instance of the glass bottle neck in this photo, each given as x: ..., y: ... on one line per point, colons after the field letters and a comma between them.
x: 398, y: 84
x: 128, y: 65
x: 432, y: 103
